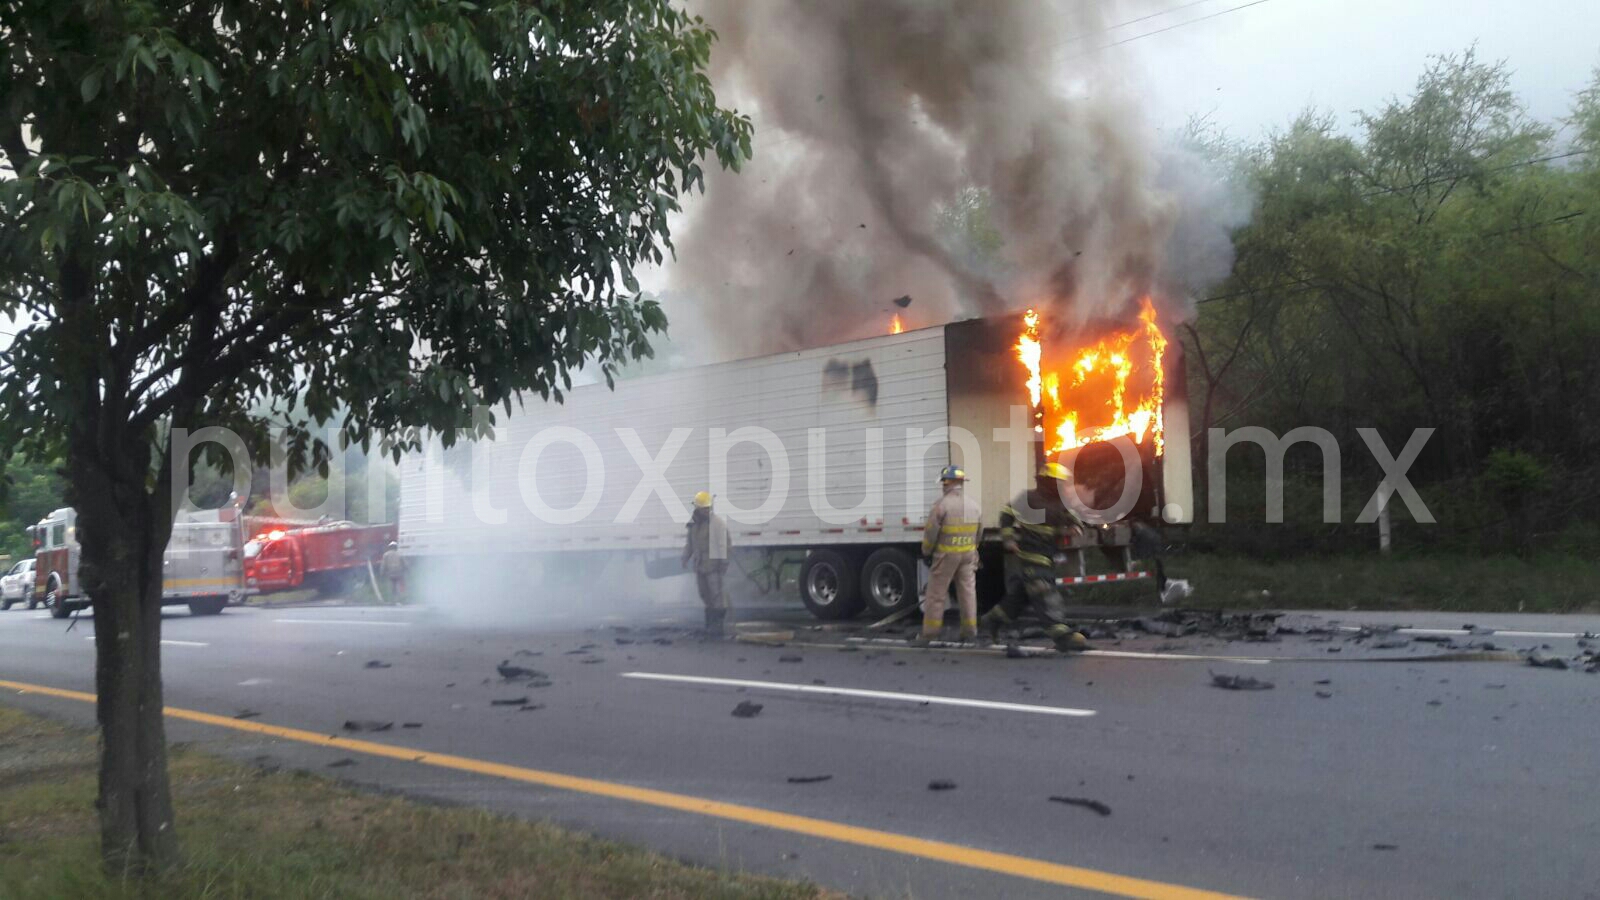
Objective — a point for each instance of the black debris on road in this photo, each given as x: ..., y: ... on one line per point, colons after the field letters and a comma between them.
x: 378, y: 664
x: 1239, y: 683
x: 808, y: 779
x: 941, y: 785
x: 512, y: 701
x: 341, y: 763
x: 366, y: 725
x: 746, y: 710
x: 246, y: 714
x: 513, y: 673
x: 1084, y: 802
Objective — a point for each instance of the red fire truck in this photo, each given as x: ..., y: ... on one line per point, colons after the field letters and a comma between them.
x: 329, y: 558
x: 200, y: 567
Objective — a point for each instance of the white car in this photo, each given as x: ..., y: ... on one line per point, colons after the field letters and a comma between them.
x: 16, y: 586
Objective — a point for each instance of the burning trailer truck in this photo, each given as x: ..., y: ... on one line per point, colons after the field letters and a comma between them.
x: 828, y: 457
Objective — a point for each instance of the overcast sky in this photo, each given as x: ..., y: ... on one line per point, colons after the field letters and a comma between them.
x: 1254, y: 68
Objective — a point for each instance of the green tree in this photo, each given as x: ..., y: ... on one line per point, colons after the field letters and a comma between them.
x: 1435, y: 267
x: 31, y: 490
x: 398, y: 208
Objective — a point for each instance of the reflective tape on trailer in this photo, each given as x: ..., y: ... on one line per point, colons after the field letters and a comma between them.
x: 1096, y: 579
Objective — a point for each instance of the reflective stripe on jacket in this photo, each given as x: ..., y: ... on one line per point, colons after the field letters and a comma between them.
x: 1035, y: 525
x: 953, y: 525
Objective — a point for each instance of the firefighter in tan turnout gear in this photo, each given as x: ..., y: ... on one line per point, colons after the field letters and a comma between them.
x: 707, y: 546
x: 1032, y: 527
x: 951, y: 539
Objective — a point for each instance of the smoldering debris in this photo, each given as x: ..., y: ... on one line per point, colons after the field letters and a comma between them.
x: 1239, y: 682
x: 1084, y: 802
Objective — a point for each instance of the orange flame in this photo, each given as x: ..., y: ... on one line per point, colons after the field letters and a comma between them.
x: 895, y: 325
x: 1111, y: 388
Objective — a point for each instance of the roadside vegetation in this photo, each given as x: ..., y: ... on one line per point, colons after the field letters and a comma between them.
x: 252, y: 832
x: 1429, y: 263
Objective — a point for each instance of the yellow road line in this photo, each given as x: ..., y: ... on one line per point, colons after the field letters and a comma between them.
x: 954, y: 854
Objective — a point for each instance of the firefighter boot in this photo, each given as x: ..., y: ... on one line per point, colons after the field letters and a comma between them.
x: 991, y: 623
x: 969, y: 631
x: 1067, y: 640
x: 716, y: 622
x: 931, y: 629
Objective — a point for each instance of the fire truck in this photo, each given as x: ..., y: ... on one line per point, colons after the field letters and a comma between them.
x: 825, y: 459
x: 201, y: 567
x: 329, y: 558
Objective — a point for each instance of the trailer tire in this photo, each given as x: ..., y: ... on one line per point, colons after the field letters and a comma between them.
x: 828, y: 585
x: 207, y: 606
x: 6, y: 604
x: 30, y: 597
x: 889, y: 581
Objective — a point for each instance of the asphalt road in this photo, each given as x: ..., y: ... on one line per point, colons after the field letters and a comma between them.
x: 1412, y: 779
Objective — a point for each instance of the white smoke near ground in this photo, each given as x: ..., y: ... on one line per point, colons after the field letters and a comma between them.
x: 872, y: 120
x: 563, y: 592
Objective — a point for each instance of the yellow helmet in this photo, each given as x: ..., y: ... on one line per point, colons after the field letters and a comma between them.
x: 702, y: 500
x: 1056, y: 471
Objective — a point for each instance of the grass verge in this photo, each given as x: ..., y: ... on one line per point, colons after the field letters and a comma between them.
x: 1446, y: 583
x: 251, y: 832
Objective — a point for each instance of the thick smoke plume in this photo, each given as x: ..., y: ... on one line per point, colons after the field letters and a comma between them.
x: 876, y: 123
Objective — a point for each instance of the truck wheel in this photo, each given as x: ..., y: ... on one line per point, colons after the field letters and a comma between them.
x: 206, y: 606
x: 29, y: 597
x: 6, y: 604
x: 828, y: 585
x: 54, y: 602
x: 889, y: 581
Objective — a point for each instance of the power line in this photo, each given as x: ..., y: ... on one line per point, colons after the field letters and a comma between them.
x: 1182, y: 24
x: 1306, y: 284
x: 1072, y: 40
x: 1462, y: 174
x: 1110, y: 28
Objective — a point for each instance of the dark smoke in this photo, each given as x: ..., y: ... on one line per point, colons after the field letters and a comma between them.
x: 872, y: 120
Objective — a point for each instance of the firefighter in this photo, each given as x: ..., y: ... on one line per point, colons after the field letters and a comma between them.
x: 950, y: 541
x: 707, y: 545
x: 393, y: 569
x: 1032, y: 527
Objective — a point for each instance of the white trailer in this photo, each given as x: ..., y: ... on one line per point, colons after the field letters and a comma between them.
x: 832, y: 452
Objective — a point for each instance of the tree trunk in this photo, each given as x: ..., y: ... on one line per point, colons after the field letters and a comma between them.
x: 123, y: 527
